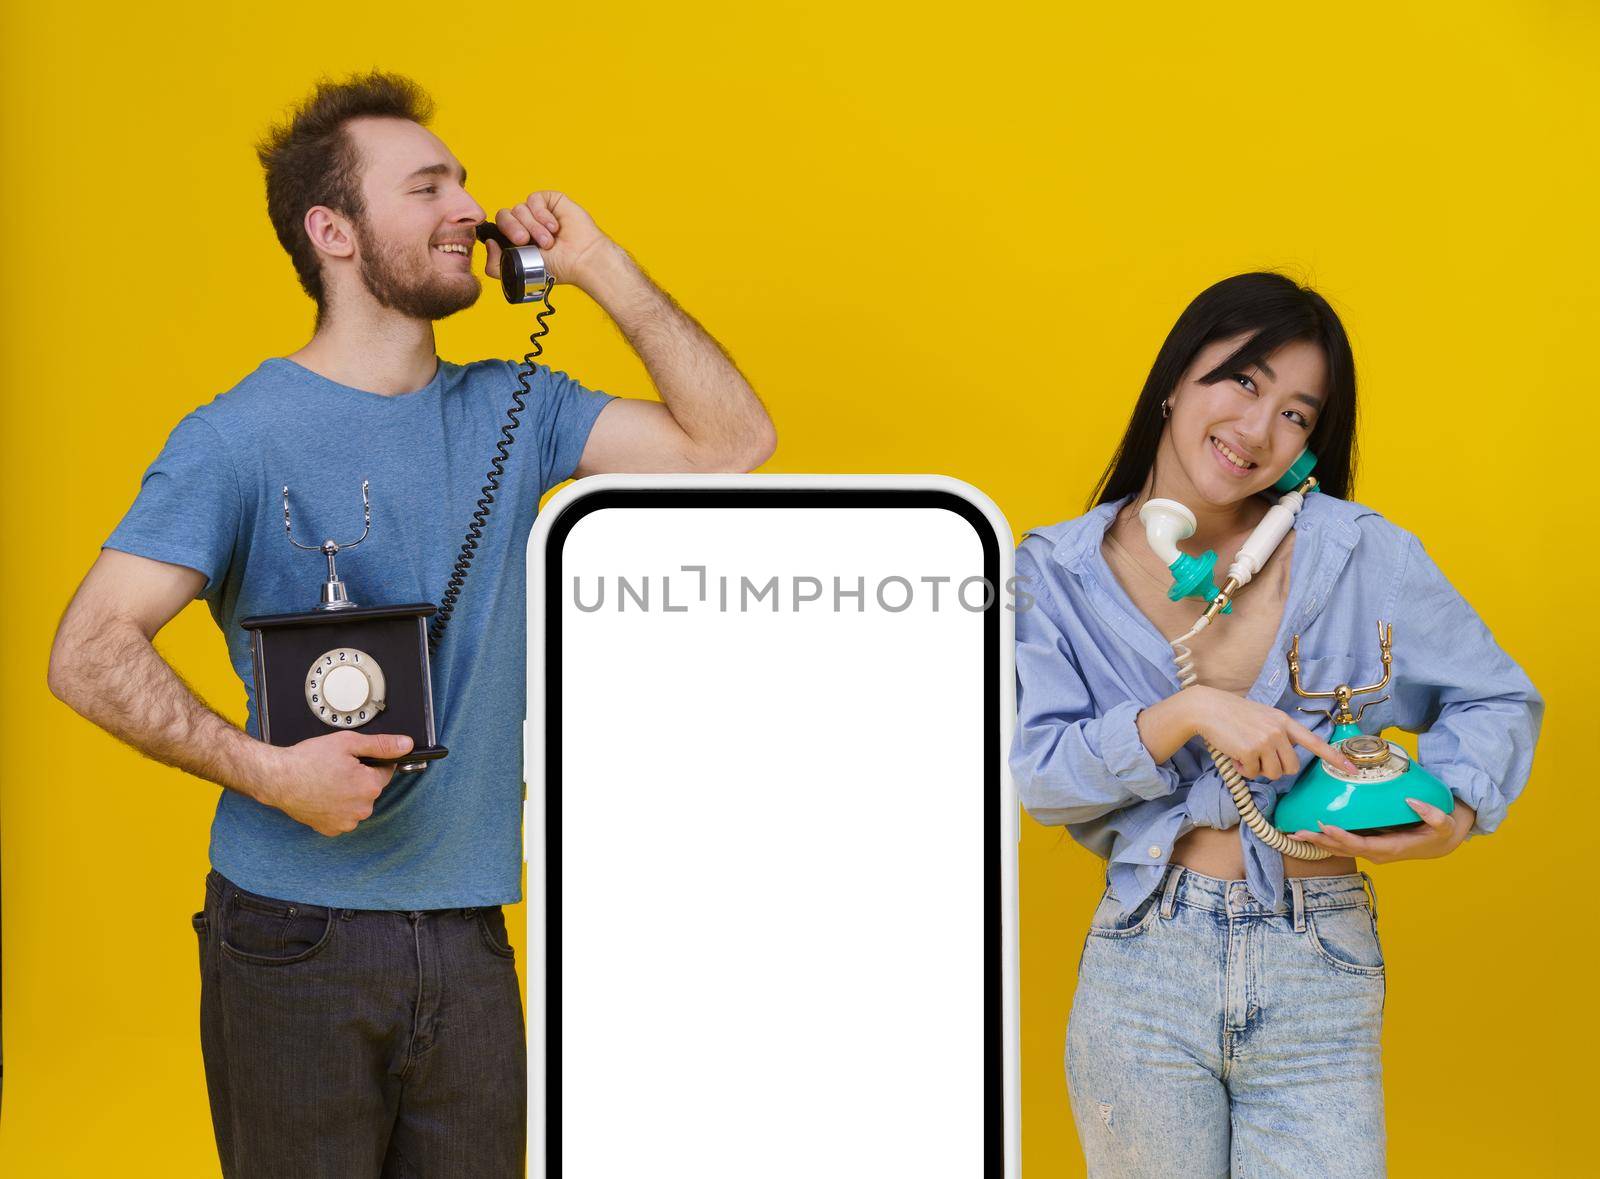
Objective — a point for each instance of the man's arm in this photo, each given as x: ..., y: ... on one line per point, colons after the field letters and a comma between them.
x: 104, y: 666
x: 708, y: 419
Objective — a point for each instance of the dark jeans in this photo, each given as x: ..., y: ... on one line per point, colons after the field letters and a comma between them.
x: 353, y: 1043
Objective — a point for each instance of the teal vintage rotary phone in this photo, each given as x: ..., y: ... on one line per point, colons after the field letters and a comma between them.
x: 1373, y: 799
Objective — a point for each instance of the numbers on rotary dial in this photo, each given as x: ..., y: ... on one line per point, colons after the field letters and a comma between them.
x: 345, y: 688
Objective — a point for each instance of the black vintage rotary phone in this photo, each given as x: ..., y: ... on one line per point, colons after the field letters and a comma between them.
x: 346, y: 666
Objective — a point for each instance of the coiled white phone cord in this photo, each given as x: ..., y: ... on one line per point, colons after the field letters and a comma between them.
x: 1249, y: 815
x: 1166, y: 522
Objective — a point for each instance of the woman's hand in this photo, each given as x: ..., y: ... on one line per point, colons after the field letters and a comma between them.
x: 1259, y: 738
x: 1439, y: 835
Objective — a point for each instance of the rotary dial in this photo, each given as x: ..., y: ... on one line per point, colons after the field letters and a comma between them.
x: 1376, y: 760
x: 345, y: 688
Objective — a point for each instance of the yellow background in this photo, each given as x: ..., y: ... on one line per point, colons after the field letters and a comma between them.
x: 947, y: 238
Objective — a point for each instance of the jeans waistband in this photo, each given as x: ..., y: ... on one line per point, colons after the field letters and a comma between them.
x: 220, y: 886
x: 1301, y: 894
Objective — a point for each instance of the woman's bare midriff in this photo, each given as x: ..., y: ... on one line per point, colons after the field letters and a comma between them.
x: 1216, y: 853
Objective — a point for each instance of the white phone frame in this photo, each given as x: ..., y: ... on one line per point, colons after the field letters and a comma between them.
x: 1003, y: 693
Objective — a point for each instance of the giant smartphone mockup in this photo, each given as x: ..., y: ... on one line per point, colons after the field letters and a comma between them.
x: 771, y: 841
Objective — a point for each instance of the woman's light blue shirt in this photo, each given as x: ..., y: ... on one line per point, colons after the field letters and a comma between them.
x: 1088, y: 661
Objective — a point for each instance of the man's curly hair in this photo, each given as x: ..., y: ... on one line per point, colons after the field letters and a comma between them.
x: 309, y: 159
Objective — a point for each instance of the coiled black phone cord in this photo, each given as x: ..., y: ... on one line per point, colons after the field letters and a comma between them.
x: 469, y: 546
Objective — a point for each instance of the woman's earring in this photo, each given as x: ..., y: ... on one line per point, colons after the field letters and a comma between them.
x: 1166, y: 410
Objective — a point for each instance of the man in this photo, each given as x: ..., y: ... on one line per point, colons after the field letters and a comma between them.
x: 359, y: 1006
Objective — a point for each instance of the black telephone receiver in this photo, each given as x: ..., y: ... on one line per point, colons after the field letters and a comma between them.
x: 523, y: 275
x: 371, y: 667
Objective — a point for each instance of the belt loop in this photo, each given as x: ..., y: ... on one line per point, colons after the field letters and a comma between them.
x: 1372, y: 896
x: 1297, y: 902
x: 1169, y: 895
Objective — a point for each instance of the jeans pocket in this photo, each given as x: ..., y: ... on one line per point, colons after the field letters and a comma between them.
x: 492, y: 924
x: 1109, y: 921
x: 1346, y: 939
x: 266, y: 932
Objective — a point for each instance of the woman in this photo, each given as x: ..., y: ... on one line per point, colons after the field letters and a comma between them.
x: 1230, y: 997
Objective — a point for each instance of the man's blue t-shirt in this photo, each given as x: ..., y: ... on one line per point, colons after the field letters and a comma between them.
x: 212, y: 501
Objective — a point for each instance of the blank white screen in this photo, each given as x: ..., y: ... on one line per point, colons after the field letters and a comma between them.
x: 772, y: 847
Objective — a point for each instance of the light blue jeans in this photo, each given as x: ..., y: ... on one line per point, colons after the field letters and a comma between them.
x: 1212, y: 1036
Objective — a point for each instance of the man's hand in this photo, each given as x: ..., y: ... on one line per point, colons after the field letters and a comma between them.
x: 709, y: 419
x: 320, y: 781
x: 1439, y: 835
x: 565, y: 234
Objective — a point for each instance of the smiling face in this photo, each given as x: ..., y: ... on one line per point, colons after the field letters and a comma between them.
x: 415, y: 239
x: 1230, y: 439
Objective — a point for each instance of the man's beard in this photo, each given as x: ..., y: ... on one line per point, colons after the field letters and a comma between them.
x: 395, y: 285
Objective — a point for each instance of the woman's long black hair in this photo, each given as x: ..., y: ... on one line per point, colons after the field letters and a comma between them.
x: 1274, y: 310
